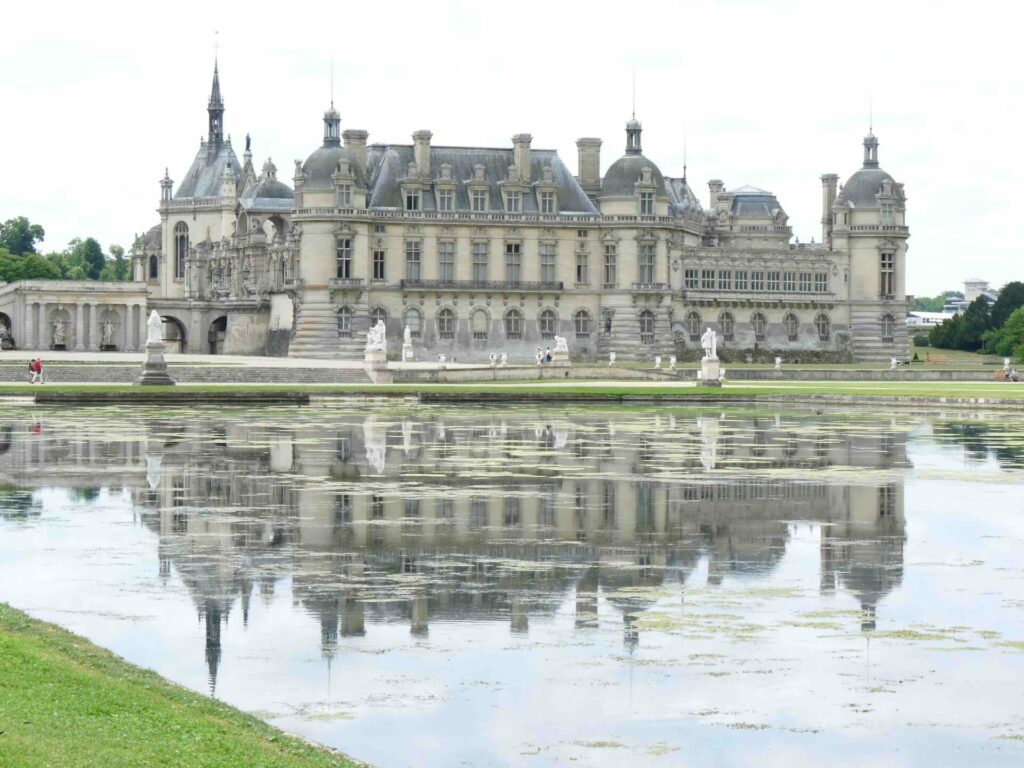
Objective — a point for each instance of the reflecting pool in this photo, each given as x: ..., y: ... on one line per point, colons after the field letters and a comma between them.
x: 523, y: 587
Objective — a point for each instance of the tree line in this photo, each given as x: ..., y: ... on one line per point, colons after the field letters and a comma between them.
x: 996, y: 329
x: 81, y: 260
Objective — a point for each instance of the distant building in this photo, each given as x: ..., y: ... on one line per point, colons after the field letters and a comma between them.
x: 918, y: 320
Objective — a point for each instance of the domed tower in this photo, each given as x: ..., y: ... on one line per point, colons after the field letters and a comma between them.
x: 633, y: 184
x: 869, y: 222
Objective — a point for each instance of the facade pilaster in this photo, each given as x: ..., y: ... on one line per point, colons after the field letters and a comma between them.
x: 94, y: 327
x: 79, y: 326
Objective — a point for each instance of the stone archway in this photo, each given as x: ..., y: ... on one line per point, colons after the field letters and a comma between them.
x: 215, y: 336
x: 175, y: 338
x: 59, y: 333
x: 6, y: 336
x: 109, y: 330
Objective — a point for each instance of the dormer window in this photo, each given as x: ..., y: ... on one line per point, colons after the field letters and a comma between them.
x: 446, y: 199
x: 548, y: 202
x: 646, y: 203
x: 887, y: 213
x: 479, y: 200
x: 345, y: 196
x: 514, y: 201
x: 412, y: 200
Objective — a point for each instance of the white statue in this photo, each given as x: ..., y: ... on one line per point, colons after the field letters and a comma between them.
x: 893, y: 362
x: 1006, y: 363
x: 504, y: 359
x: 407, y: 340
x: 376, y: 338
x: 59, y: 332
x: 108, y: 333
x: 561, y: 345
x: 657, y: 361
x: 672, y: 362
x: 441, y: 359
x: 778, y: 363
x: 611, y: 359
x: 155, y: 328
x: 710, y: 343
x: 494, y: 359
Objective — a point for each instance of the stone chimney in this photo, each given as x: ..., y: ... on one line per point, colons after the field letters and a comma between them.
x: 421, y: 151
x: 521, y: 154
x: 589, y: 170
x: 716, y: 186
x: 828, y: 197
x: 355, y: 145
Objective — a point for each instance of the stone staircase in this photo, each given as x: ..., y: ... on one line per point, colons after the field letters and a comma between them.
x: 866, y: 332
x: 624, y: 340
x: 316, y: 331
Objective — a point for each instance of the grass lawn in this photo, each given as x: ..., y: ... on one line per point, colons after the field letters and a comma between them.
x: 66, y: 702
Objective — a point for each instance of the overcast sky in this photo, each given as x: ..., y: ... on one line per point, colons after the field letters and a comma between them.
x: 99, y: 98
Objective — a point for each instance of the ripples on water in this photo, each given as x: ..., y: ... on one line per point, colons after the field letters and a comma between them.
x: 424, y: 586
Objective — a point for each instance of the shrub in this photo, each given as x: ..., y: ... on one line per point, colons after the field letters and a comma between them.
x: 921, y: 340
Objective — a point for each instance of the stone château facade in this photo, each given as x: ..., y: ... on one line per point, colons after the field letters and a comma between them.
x: 479, y: 250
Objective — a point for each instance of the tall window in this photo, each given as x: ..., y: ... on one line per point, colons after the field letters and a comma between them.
x: 413, y: 320
x: 789, y: 281
x: 446, y: 324
x: 154, y: 267
x: 446, y: 199
x: 886, y: 501
x: 180, y: 248
x: 582, y: 268
x: 478, y: 200
x: 805, y: 282
x: 412, y: 199
x: 647, y: 327
x: 760, y: 326
x: 646, y: 203
x: 888, y: 275
x: 888, y: 329
x: 728, y: 326
x: 646, y: 263
x: 691, y: 278
x: 547, y: 262
x: 345, y: 322
x: 792, y: 326
x: 343, y: 256
x: 824, y: 327
x: 741, y: 279
x: 725, y: 279
x: 693, y: 326
x: 513, y: 262
x: 446, y: 260
x: 480, y: 262
x: 821, y: 282
x: 707, y: 279
x: 378, y: 315
x: 887, y: 213
x: 611, y: 257
x: 413, y: 259
x: 757, y: 281
x: 345, y: 196
x: 582, y: 321
x: 773, y: 281
x: 514, y: 324
x: 547, y: 324
x: 479, y: 323
x: 548, y: 202
x: 514, y: 202
x: 378, y: 265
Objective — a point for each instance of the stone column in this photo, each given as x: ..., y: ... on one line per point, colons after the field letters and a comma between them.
x: 94, y: 326
x: 79, y: 326
x: 126, y: 327
x: 29, y: 331
x: 142, y: 330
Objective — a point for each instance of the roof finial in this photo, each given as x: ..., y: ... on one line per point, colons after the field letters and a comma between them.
x: 216, y: 47
x: 871, y: 113
x: 684, y: 155
x: 634, y: 91
x: 332, y: 81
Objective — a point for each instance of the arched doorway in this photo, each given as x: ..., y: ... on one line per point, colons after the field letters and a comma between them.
x: 174, y: 334
x: 6, y: 338
x: 215, y: 337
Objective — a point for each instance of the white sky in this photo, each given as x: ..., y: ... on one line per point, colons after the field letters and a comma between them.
x: 99, y: 98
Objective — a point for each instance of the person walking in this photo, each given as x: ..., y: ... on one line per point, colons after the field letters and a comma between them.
x: 37, y: 377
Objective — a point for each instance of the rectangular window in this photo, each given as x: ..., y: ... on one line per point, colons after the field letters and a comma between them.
x: 378, y: 264
x: 345, y: 196
x: 611, y: 267
x: 412, y: 199
x: 480, y: 262
x: 343, y: 255
x: 725, y: 279
x: 773, y: 281
x: 887, y: 214
x: 582, y: 269
x: 646, y: 263
x: 514, y: 202
x: 757, y: 281
x: 513, y: 262
x: 691, y: 278
x: 446, y: 199
x: 547, y: 262
x: 888, y: 281
x: 378, y: 229
x: 581, y: 234
x: 548, y: 202
x: 821, y: 283
x: 479, y: 200
x: 805, y: 282
x: 707, y: 279
x: 446, y: 260
x: 413, y: 254
x: 646, y: 203
x: 741, y: 279
x: 789, y: 281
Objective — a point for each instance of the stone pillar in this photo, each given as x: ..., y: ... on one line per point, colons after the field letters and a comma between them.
x: 141, y: 329
x: 94, y: 327
x: 79, y: 326
x: 126, y: 327
x: 30, y: 326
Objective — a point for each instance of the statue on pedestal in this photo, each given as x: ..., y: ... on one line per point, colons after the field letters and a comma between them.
x: 561, y: 345
x: 59, y: 333
x: 154, y: 329
x: 709, y: 341
x: 108, y: 333
x: 376, y: 338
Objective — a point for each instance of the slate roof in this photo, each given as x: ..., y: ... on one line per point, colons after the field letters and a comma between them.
x: 753, y: 202
x: 621, y: 177
x: 860, y: 189
x: 681, y: 197
x: 204, y: 176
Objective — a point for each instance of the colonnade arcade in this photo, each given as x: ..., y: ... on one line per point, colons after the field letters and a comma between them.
x: 83, y: 325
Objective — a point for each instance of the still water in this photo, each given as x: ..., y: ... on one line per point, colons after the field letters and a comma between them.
x: 523, y: 587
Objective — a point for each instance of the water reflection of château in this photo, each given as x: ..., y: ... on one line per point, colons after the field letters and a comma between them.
x: 471, y: 516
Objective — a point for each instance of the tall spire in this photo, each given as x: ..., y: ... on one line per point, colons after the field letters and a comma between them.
x: 216, y: 109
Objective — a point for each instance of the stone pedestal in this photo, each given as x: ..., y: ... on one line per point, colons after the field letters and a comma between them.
x: 711, y: 375
x: 560, y: 359
x: 154, y: 367
x: 376, y: 362
x: 406, y: 352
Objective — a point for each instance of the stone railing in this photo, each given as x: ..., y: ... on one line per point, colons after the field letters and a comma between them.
x: 651, y: 287
x: 898, y: 229
x: 481, y: 285
x: 346, y: 282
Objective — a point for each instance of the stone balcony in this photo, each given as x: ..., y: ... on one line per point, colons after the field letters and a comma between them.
x: 511, y: 286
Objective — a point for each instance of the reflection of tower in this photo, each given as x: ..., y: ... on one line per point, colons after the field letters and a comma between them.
x: 419, y: 624
x: 520, y: 614
x: 586, y: 599
x: 828, y: 561
x: 212, y: 618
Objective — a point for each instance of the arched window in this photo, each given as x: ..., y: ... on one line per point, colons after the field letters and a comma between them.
x: 479, y: 325
x: 446, y: 324
x: 760, y: 325
x: 582, y: 322
x: 378, y: 314
x: 888, y: 329
x: 693, y: 326
x: 547, y: 324
x: 792, y: 326
x: 514, y: 324
x: 345, y: 322
x: 180, y: 248
x: 824, y: 327
x: 728, y: 326
x: 413, y: 321
x: 647, y: 327
x: 154, y: 267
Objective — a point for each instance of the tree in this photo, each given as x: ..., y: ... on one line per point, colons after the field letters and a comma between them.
x: 89, y: 256
x: 1010, y: 298
x: 117, y: 268
x: 1008, y: 339
x: 18, y: 236
x: 945, y: 334
x: 977, y: 320
x: 935, y: 304
x: 30, y: 266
